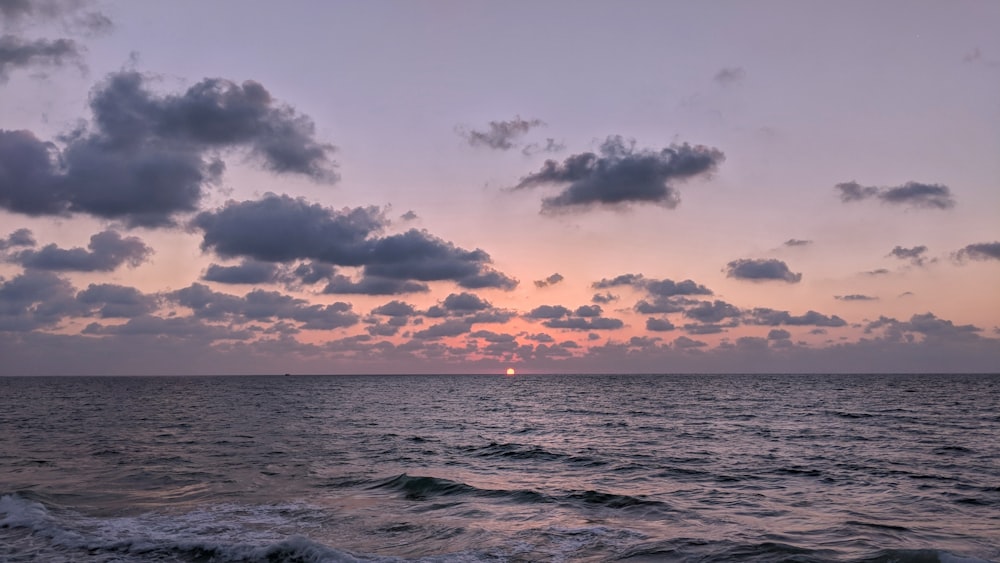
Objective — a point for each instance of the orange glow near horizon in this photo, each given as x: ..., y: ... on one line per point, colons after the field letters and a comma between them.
x: 510, y: 371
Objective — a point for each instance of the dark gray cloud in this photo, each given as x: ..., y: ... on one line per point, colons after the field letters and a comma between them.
x: 797, y: 242
x: 588, y: 311
x: 981, y: 251
x: 373, y: 285
x: 548, y: 312
x: 465, y: 303
x: 659, y: 305
x: 877, y: 272
x: 36, y: 299
x: 501, y: 135
x: 75, y: 15
x: 772, y: 317
x: 659, y: 325
x: 107, y: 251
x: 395, y: 309
x: 409, y: 216
x: 551, y: 280
x: 761, y: 270
x: 188, y: 328
x: 604, y: 298
x: 913, y: 194
x: 698, y: 328
x: 585, y: 323
x: 346, y: 237
x: 261, y: 305
x: 620, y: 175
x: 712, y: 311
x: 655, y: 287
x: 778, y: 334
x: 246, y: 272
x: 684, y: 343
x: 730, y: 75
x: 855, y: 297
x: 927, y: 324
x: 450, y: 327
x: 915, y: 255
x: 16, y: 53
x: 117, y: 301
x: 19, y: 238
x: 148, y: 158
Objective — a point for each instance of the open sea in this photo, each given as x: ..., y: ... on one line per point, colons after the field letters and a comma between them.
x: 874, y: 468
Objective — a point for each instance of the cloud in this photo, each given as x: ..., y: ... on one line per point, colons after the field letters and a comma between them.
x: 913, y: 194
x: 877, y: 272
x: 603, y: 298
x: 409, y: 216
x: 107, y: 251
x: 551, y: 280
x: 712, y: 311
x: 395, y: 309
x: 658, y: 306
x: 117, y: 301
x: 548, y: 312
x: 35, y: 299
x: 655, y: 287
x: 73, y: 14
x: 797, y: 242
x: 772, y: 317
x: 261, y: 305
x: 980, y: 251
x: 501, y: 135
x: 927, y: 325
x: 20, y: 53
x: 621, y: 175
x: 915, y: 255
x: 855, y: 297
x: 659, y: 325
x: 585, y: 323
x: 761, y: 270
x: 450, y: 327
x: 778, y: 334
x: 346, y: 237
x: 465, y: 303
x: 730, y: 75
x: 684, y: 343
x: 20, y: 237
x: 148, y: 158
x: 373, y: 285
x: 247, y: 272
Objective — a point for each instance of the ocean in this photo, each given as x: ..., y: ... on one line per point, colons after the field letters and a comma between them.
x: 873, y: 468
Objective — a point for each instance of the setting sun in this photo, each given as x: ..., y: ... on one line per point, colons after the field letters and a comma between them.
x: 510, y: 371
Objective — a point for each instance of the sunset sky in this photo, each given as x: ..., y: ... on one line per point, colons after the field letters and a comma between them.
x: 195, y: 187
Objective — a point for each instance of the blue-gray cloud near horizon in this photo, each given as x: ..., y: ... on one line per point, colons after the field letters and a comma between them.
x: 761, y: 270
x: 913, y: 194
x: 346, y: 237
x: 621, y: 174
x: 914, y: 255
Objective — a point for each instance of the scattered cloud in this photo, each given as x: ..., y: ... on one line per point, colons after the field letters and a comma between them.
x: 659, y: 325
x: 246, y: 272
x: 604, y: 298
x: 980, y: 251
x: 797, y: 242
x: 915, y: 255
x: 877, y: 272
x: 912, y: 194
x: 772, y: 317
x: 622, y: 175
x: 107, y: 251
x: 500, y: 135
x: 117, y: 301
x: 550, y: 146
x: 855, y: 297
x: 16, y: 53
x: 761, y: 270
x: 19, y: 238
x: 712, y: 311
x: 730, y: 75
x: 551, y: 280
x: 778, y: 334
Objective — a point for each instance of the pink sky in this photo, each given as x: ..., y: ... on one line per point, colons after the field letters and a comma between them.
x: 459, y: 187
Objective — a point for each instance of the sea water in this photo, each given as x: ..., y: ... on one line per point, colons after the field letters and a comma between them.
x: 482, y: 468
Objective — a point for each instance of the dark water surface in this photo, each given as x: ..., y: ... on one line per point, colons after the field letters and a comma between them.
x: 479, y: 468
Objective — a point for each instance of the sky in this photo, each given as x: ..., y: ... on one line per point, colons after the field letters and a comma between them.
x: 236, y: 187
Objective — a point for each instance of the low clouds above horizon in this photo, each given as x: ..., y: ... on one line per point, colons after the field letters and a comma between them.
x: 185, y: 217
